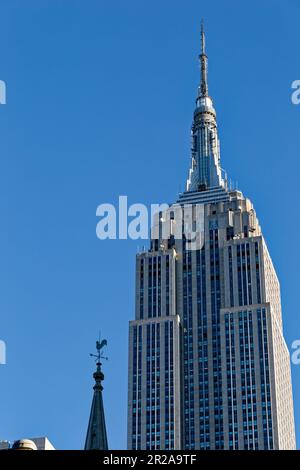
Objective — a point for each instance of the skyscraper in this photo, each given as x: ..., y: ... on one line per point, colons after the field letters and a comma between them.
x: 208, y: 364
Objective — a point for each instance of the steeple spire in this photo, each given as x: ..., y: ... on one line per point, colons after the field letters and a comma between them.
x: 203, y: 63
x: 96, y: 437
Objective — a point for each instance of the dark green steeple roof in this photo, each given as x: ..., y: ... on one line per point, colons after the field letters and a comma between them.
x: 96, y: 436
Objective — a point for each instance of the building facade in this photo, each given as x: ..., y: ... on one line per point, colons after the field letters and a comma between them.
x: 208, y: 364
x: 35, y: 443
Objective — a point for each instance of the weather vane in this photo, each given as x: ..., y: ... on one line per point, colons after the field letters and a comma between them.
x: 99, y: 346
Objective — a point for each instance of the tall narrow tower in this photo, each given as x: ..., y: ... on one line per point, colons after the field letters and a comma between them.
x: 208, y: 364
x: 96, y: 437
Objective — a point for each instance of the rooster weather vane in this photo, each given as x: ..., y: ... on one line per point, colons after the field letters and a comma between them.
x: 99, y: 346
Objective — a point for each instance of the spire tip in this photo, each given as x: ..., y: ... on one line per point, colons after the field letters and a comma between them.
x: 202, y: 37
x: 203, y: 89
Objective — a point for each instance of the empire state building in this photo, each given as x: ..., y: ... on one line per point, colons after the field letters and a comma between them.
x: 208, y: 364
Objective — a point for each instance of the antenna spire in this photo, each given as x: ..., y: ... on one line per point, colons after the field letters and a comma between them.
x: 203, y: 64
x: 202, y: 37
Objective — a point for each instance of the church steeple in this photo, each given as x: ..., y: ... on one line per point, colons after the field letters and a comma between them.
x: 96, y: 437
x: 205, y: 171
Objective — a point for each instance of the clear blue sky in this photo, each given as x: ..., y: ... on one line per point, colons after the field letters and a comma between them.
x: 100, y: 96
